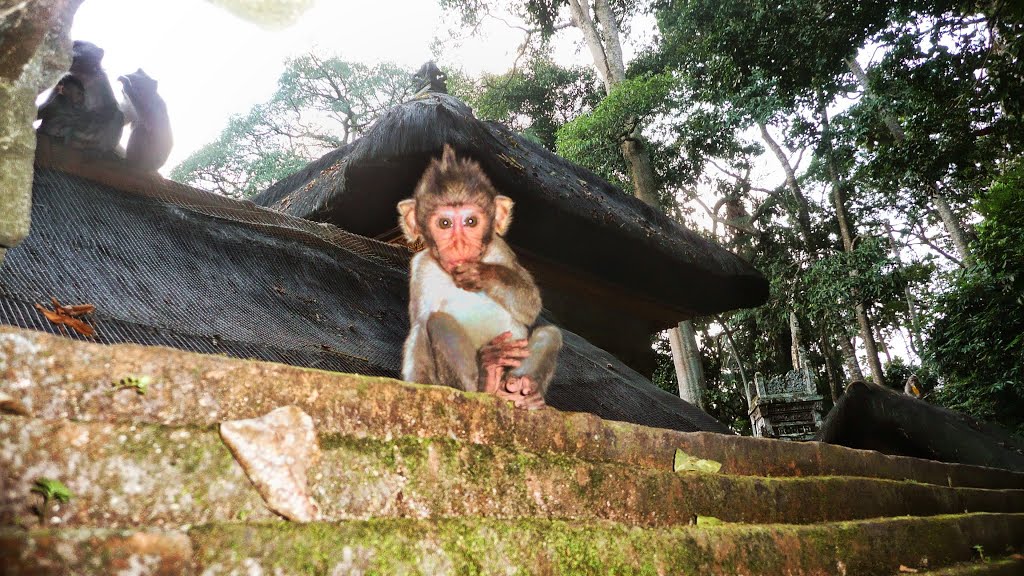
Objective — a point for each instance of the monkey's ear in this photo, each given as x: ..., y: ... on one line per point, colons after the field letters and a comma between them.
x: 448, y: 157
x: 407, y: 220
x: 502, y: 214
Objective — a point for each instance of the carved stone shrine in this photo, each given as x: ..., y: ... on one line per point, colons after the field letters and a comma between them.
x: 787, y: 406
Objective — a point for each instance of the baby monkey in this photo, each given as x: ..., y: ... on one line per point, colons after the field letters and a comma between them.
x: 471, y: 305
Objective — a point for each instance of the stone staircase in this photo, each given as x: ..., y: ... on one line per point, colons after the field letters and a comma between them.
x: 426, y: 480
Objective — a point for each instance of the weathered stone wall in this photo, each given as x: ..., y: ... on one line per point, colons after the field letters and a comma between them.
x: 34, y: 51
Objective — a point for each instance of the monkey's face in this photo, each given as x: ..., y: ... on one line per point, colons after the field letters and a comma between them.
x: 460, y: 234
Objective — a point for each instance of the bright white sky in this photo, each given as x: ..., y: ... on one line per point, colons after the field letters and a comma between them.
x: 211, y: 64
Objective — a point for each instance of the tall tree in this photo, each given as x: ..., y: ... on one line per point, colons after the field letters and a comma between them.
x: 977, y: 337
x: 536, y: 99
x: 320, y: 103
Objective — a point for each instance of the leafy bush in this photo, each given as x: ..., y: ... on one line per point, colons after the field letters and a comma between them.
x: 977, y: 341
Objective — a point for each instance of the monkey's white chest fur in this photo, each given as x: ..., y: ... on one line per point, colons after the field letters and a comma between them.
x: 479, y: 315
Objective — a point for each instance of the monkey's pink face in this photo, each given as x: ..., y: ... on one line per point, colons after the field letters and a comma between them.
x: 458, y: 232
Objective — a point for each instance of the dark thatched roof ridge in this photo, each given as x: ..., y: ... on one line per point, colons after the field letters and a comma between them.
x: 565, y: 213
x: 872, y: 417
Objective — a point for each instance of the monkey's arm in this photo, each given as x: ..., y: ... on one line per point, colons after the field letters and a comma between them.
x: 415, y: 353
x: 509, y: 284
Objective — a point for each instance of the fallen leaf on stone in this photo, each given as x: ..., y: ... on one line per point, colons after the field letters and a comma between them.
x: 69, y: 316
x: 276, y: 450
x: 685, y: 462
x: 907, y: 570
x: 138, y: 383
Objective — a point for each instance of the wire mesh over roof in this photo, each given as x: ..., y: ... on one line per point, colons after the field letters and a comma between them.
x: 168, y: 265
x: 564, y: 212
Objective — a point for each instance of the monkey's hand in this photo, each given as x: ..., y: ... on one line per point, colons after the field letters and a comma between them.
x: 477, y: 276
x: 467, y: 276
x: 523, y: 392
x: 497, y: 355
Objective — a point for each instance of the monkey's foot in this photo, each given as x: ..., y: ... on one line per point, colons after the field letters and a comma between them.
x: 523, y: 385
x: 522, y: 391
x: 524, y: 401
x: 492, y: 379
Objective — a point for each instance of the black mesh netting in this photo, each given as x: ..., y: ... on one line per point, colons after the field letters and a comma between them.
x: 168, y: 265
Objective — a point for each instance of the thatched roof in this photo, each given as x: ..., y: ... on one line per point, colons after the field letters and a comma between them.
x: 168, y: 265
x: 565, y: 214
x: 871, y: 417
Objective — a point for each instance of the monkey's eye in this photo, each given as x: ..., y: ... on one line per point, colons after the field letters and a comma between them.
x: 470, y: 221
x: 444, y: 223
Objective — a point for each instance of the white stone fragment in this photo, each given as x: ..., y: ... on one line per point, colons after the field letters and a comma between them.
x: 276, y: 450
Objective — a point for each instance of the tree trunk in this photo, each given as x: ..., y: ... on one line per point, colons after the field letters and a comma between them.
x: 794, y: 332
x: 846, y: 232
x: 645, y: 183
x: 736, y: 357
x: 833, y: 369
x: 870, y: 346
x: 687, y: 361
x: 602, y: 38
x: 914, y: 332
x: 803, y: 214
x: 850, y: 359
x: 949, y: 220
x: 952, y: 225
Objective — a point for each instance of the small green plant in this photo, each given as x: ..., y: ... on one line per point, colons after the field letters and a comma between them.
x: 138, y: 383
x: 49, y: 489
x: 980, y: 551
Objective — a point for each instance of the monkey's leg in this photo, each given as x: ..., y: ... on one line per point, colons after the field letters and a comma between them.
x: 454, y: 355
x: 417, y: 360
x: 536, y: 371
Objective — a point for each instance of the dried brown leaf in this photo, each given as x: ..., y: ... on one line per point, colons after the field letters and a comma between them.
x: 67, y: 316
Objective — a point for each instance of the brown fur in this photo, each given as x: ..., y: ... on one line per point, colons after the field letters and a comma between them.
x: 90, y: 119
x: 150, y: 141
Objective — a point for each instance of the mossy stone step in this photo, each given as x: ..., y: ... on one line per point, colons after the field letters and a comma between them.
x: 126, y: 475
x: 987, y: 566
x: 487, y: 546
x: 56, y: 377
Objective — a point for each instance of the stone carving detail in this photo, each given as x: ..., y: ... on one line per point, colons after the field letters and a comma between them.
x: 786, y: 406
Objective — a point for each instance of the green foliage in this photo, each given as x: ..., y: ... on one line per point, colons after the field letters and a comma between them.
x: 977, y: 340
x: 593, y: 139
x: 831, y: 283
x: 537, y: 100
x: 898, y: 371
x: 765, y: 56
x: 320, y: 104
x: 138, y: 383
x: 51, y: 489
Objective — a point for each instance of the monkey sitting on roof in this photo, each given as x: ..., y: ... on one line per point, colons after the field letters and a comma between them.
x: 472, y: 306
x: 81, y: 110
x: 150, y: 141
